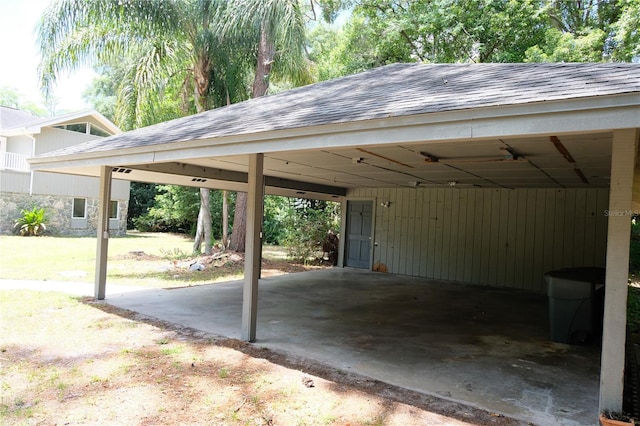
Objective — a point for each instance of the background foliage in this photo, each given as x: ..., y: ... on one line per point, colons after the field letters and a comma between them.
x: 154, y: 80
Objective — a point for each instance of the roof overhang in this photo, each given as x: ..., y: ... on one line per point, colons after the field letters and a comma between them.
x: 219, y: 160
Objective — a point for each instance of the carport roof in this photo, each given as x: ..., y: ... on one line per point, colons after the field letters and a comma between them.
x: 391, y: 91
x: 545, y: 125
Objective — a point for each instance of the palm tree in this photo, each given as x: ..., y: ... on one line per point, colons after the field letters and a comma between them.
x: 162, y: 43
x: 279, y: 28
x: 169, y: 42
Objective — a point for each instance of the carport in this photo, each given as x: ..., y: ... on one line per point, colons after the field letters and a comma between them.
x: 488, y: 174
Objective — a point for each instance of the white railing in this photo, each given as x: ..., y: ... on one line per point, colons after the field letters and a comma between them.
x: 13, y: 161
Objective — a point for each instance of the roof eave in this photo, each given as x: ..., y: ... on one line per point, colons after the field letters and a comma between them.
x: 600, y: 113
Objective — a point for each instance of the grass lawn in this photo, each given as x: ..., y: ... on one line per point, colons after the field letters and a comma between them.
x: 144, y: 259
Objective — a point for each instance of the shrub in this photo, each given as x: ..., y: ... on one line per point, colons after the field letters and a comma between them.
x: 31, y: 223
x: 310, y: 231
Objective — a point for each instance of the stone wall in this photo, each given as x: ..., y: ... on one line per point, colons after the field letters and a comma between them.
x: 58, y: 214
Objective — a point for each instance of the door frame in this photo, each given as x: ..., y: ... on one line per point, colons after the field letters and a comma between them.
x: 343, y: 229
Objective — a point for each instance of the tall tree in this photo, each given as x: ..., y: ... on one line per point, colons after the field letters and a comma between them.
x: 386, y: 31
x: 626, y: 32
x: 280, y: 29
x: 162, y: 42
x: 578, y: 31
x: 445, y: 30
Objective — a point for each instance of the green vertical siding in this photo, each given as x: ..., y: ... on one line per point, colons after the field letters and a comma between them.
x: 497, y: 237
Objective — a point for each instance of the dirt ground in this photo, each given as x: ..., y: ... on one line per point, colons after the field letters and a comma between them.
x: 71, y: 361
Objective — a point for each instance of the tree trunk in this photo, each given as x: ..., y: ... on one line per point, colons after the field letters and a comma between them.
x: 266, y: 53
x: 197, y: 242
x: 225, y: 220
x: 203, y: 229
x: 202, y: 72
x: 239, y: 232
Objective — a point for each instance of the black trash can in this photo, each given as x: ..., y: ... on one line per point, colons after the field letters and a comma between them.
x: 576, y: 301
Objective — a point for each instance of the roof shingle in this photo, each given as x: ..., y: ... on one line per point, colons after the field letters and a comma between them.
x: 393, y: 90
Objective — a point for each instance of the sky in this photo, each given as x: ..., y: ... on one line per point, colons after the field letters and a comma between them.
x: 19, y: 58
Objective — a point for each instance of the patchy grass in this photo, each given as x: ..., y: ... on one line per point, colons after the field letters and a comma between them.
x: 143, y: 259
x: 66, y: 360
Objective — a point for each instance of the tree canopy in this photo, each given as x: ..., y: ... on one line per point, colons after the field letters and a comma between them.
x: 380, y: 32
x: 159, y: 60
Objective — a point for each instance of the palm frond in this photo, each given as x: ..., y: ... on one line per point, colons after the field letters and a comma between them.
x: 72, y: 33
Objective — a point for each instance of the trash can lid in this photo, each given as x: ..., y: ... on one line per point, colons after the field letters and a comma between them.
x: 587, y: 274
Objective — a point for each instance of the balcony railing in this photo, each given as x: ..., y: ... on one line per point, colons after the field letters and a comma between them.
x: 13, y: 161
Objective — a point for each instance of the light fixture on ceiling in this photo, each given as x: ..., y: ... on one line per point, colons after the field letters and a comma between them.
x: 357, y: 160
x: 452, y: 183
x: 414, y: 183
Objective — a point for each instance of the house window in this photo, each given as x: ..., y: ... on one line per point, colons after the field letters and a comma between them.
x: 113, y: 210
x: 79, y: 208
x: 97, y: 131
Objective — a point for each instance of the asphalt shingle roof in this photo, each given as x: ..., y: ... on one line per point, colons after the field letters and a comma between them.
x: 393, y: 90
x: 11, y: 118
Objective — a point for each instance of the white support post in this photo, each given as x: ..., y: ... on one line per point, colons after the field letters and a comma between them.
x: 255, y: 202
x: 623, y: 156
x: 103, y: 233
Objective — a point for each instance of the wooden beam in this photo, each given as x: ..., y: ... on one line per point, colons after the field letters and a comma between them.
x: 203, y: 172
x: 623, y: 155
x: 184, y: 169
x: 103, y: 233
x: 255, y: 203
x: 384, y: 158
x: 562, y: 149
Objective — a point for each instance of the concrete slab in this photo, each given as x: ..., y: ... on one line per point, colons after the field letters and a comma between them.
x: 486, y: 347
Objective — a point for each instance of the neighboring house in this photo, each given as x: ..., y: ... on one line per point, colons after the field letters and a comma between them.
x: 70, y: 202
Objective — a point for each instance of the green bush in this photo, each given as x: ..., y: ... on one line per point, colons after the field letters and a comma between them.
x: 276, y: 210
x: 31, y: 223
x: 175, y: 209
x: 309, y: 225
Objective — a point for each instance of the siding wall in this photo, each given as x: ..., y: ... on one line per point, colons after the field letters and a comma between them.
x: 20, y: 145
x: 498, y: 237
x: 56, y: 184
x: 51, y: 139
x: 76, y: 186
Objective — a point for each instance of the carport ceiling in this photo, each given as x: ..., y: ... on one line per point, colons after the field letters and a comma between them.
x: 540, y: 162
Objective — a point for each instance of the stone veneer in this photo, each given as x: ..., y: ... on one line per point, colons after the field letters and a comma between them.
x: 57, y: 213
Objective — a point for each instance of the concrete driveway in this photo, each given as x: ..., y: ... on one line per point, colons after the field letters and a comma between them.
x: 483, y: 346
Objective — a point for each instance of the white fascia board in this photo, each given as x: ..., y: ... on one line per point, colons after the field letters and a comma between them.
x: 79, y: 161
x: 597, y: 114
x: 391, y: 131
